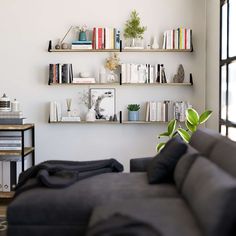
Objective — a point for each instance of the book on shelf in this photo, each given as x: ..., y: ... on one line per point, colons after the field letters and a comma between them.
x: 9, y: 143
x: 11, y: 121
x: 81, y: 47
x: 71, y: 118
x: 143, y: 73
x: 84, y: 81
x: 164, y: 111
x: 78, y: 42
x: 55, y: 112
x: 106, y: 38
x: 11, y: 114
x: 180, y: 38
x: 60, y: 73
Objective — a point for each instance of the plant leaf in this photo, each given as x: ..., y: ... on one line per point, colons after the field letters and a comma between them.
x: 190, y: 127
x: 171, y: 127
x: 205, y: 116
x: 165, y: 134
x: 192, y: 116
x: 160, y: 146
x: 184, y: 134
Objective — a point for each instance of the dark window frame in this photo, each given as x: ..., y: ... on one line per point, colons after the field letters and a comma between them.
x: 225, y: 62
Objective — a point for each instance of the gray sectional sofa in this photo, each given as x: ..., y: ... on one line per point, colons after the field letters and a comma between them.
x: 200, y: 201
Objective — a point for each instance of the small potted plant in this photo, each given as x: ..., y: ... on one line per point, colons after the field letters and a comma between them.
x: 82, y: 33
x: 133, y: 30
x: 133, y: 112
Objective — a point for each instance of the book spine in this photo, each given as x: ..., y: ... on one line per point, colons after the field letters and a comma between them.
x: 123, y: 73
x: 180, y: 38
x: 6, y: 176
x: 153, y: 111
x: 94, y: 38
x: 99, y: 38
x: 1, y: 175
x: 185, y: 38
x: 117, y: 39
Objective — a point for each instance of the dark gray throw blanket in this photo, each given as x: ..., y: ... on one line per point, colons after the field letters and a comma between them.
x: 60, y: 174
x: 121, y: 225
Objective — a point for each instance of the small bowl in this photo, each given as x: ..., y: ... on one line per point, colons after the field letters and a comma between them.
x: 84, y: 74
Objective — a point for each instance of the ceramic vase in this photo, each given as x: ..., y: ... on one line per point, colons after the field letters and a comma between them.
x: 91, y: 115
x: 133, y: 115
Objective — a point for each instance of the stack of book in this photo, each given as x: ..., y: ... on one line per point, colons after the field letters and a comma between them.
x: 164, y: 111
x: 10, y: 171
x: 106, y: 38
x: 11, y: 117
x: 180, y: 38
x: 10, y: 143
x: 143, y: 73
x: 60, y: 74
x: 82, y: 45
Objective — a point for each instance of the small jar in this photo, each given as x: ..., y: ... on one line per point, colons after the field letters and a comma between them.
x: 5, y: 103
x: 15, y: 106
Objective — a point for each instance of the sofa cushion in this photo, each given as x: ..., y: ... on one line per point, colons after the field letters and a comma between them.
x: 203, y: 140
x: 161, y: 167
x: 184, y: 165
x: 73, y: 205
x: 211, y: 194
x: 171, y: 217
x: 224, y: 155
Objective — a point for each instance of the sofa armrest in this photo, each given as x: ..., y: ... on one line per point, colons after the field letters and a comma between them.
x: 139, y: 164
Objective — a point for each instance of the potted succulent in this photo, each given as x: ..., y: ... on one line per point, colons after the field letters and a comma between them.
x: 193, y: 120
x: 133, y: 112
x: 133, y: 30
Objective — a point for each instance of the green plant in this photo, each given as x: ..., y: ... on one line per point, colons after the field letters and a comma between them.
x: 133, y: 107
x: 133, y: 29
x: 193, y: 120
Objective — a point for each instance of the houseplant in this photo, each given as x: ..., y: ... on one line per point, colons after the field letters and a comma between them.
x: 133, y: 30
x: 193, y: 120
x: 133, y: 112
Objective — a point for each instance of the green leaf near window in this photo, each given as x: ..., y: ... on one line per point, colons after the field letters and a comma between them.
x: 171, y: 127
x: 192, y: 116
x: 160, y: 146
x: 184, y: 134
x: 165, y: 134
x: 205, y: 116
x: 190, y: 127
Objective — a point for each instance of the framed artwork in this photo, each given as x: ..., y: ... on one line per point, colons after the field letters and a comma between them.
x: 103, y: 100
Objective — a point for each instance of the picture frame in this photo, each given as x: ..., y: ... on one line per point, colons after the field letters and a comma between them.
x: 103, y: 100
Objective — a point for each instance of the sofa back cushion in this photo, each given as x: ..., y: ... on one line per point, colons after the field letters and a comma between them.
x: 224, y: 155
x: 203, y: 140
x: 161, y: 167
x: 211, y: 193
x: 183, y: 166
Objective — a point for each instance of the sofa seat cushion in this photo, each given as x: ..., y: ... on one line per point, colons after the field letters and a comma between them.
x: 170, y: 217
x: 74, y: 204
x: 211, y: 193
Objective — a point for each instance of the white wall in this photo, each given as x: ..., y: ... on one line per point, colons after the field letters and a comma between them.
x: 26, y: 26
x: 212, y: 77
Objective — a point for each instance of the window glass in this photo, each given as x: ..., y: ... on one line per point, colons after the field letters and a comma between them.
x: 232, y: 133
x: 224, y: 32
x: 232, y: 28
x: 223, y: 130
x: 223, y: 92
x: 232, y: 92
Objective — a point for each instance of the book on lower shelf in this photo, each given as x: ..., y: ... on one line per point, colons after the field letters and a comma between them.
x: 8, y: 143
x: 164, y: 111
x: 60, y: 74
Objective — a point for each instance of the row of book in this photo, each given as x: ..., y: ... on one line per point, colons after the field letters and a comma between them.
x: 180, y: 38
x: 166, y: 110
x: 11, y: 114
x: 143, y: 73
x: 60, y: 73
x: 106, y: 38
x: 9, y: 174
x: 8, y: 143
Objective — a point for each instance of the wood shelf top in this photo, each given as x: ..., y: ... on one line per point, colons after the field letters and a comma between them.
x: 108, y: 122
x: 124, y: 84
x: 27, y: 151
x: 16, y: 127
x: 7, y: 194
x: 123, y: 50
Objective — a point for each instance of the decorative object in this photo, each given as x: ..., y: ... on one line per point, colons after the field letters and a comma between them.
x: 133, y: 112
x: 112, y: 64
x: 103, y: 100
x: 84, y: 74
x: 61, y: 44
x: 155, y: 44
x: 82, y: 33
x: 193, y: 120
x: 5, y: 103
x: 65, y: 46
x: 102, y: 75
x: 179, y: 77
x: 91, y: 115
x: 15, y: 106
x: 133, y: 30
x: 57, y: 46
x: 115, y: 118
x: 68, y: 104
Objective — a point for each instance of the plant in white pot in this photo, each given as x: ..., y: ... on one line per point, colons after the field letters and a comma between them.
x: 193, y: 120
x: 133, y: 112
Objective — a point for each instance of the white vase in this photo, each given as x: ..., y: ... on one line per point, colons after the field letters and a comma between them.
x: 155, y: 44
x: 91, y: 115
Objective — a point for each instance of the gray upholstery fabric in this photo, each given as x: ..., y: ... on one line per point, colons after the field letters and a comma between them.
x: 224, y: 155
x: 204, y: 140
x: 171, y: 217
x: 73, y: 205
x: 211, y: 194
x: 183, y: 166
x: 140, y: 164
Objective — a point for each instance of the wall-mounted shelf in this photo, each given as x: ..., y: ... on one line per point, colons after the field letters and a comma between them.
x: 7, y: 194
